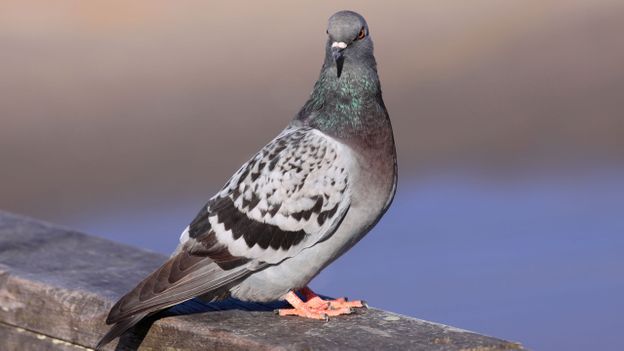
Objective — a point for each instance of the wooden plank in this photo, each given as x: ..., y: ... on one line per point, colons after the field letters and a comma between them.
x: 19, y: 339
x: 58, y: 283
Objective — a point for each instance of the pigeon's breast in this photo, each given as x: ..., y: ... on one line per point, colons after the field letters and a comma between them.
x: 374, y: 179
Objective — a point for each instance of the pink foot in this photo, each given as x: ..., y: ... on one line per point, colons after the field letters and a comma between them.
x: 316, y: 308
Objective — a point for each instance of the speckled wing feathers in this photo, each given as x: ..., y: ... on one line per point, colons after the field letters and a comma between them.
x: 304, y: 199
x: 289, y: 196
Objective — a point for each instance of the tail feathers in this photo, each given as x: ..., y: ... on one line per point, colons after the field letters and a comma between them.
x: 119, y: 328
x: 182, y: 277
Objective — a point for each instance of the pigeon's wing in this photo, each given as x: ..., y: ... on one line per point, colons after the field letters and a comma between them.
x: 289, y: 196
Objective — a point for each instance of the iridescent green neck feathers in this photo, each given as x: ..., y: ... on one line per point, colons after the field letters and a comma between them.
x: 347, y: 105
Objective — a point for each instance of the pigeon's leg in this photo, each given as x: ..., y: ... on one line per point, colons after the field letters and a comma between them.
x: 316, y: 308
x: 341, y: 302
x: 313, y: 310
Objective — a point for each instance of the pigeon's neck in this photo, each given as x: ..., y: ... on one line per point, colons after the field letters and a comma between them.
x: 347, y: 106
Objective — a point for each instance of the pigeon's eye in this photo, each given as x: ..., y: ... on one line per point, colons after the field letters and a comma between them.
x: 361, y: 34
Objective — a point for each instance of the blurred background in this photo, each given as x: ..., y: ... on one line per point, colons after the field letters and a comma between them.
x: 508, y: 116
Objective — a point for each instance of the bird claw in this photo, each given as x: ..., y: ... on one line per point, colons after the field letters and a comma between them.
x: 317, y: 308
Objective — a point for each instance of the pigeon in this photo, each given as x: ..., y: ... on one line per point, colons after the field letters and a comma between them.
x: 298, y: 204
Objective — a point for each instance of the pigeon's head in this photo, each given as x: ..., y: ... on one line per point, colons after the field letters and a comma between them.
x: 348, y: 39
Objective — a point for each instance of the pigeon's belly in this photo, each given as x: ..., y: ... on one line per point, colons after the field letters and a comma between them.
x: 371, y: 195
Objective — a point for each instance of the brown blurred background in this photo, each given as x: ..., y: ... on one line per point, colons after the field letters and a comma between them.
x: 117, y: 100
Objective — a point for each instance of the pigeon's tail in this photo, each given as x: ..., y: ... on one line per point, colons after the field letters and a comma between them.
x: 119, y: 328
x: 182, y: 277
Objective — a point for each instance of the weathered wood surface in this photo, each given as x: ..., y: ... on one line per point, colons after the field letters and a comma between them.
x: 56, y: 286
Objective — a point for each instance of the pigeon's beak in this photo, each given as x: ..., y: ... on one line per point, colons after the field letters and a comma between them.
x: 336, y: 49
